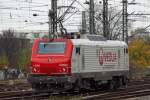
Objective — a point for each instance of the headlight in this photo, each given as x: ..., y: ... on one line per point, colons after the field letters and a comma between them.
x: 64, y: 69
x: 35, y: 69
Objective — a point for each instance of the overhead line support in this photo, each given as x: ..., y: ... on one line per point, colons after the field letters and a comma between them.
x: 105, y: 20
x: 53, y: 19
x: 91, y: 15
x: 125, y: 21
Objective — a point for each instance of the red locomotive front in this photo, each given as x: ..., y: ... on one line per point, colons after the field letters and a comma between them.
x: 50, y: 61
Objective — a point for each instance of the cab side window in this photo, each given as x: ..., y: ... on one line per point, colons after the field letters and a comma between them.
x: 78, y: 50
x: 125, y: 50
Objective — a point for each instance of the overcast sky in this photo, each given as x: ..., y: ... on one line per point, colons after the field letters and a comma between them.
x: 18, y: 14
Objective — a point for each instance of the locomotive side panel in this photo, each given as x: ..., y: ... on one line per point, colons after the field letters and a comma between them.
x: 101, y: 62
x: 104, y: 62
x: 103, y: 59
x: 91, y: 59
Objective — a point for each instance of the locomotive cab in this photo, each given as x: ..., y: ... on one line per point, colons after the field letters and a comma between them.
x: 50, y: 61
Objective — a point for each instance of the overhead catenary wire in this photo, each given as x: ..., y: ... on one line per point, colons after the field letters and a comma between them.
x: 11, y: 1
x: 36, y: 6
x: 64, y: 14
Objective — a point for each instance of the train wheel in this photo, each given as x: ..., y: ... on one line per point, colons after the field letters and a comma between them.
x: 120, y: 82
x: 36, y: 87
x: 113, y: 84
x: 77, y: 86
x: 68, y: 87
x: 124, y: 80
x: 39, y: 87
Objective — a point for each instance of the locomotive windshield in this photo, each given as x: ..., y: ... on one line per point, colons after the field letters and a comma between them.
x: 51, y: 47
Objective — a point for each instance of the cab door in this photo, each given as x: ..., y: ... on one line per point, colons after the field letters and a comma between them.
x: 76, y: 60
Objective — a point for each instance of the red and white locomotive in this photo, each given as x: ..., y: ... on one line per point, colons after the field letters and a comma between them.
x: 62, y: 64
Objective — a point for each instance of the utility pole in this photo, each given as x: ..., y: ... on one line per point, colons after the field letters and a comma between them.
x: 125, y: 21
x: 50, y: 23
x: 105, y: 19
x: 53, y: 19
x: 92, y: 22
x: 83, y: 22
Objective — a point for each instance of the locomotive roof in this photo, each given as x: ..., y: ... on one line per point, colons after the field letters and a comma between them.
x: 108, y: 43
x: 101, y: 43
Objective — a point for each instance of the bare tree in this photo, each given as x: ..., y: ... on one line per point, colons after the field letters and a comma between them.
x: 8, y: 33
x: 114, y: 19
x: 12, y: 45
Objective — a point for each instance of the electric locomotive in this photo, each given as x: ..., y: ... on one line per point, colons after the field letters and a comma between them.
x: 65, y: 64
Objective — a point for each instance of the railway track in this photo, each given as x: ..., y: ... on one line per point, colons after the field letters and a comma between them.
x: 134, y: 89
x: 118, y: 96
x: 14, y: 86
x: 23, y: 95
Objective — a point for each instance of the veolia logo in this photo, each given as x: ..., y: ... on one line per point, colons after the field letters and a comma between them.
x: 107, y: 57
